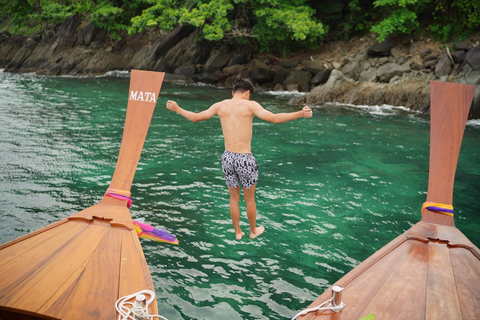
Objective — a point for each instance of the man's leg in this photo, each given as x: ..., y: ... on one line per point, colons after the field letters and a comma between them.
x: 249, y: 195
x: 235, y: 210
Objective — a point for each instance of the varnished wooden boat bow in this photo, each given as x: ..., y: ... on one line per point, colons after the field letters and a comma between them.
x: 432, y: 271
x: 78, y: 267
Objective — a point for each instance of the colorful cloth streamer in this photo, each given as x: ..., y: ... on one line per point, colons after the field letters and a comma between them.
x: 439, y: 207
x: 120, y: 195
x: 149, y: 232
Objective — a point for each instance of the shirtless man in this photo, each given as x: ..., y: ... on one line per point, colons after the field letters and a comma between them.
x: 238, y: 163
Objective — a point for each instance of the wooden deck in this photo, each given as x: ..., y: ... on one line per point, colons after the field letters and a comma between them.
x: 432, y: 271
x: 78, y: 267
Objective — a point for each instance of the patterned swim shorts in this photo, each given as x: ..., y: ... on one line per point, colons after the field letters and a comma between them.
x: 240, y: 167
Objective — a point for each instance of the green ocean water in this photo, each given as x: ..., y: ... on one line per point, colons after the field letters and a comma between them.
x: 332, y: 190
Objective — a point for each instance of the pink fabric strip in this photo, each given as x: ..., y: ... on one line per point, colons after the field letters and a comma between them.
x: 120, y: 197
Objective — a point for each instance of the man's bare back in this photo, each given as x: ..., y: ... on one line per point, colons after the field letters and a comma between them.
x: 236, y: 117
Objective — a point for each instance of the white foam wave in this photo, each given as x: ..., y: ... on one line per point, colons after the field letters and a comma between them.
x: 293, y: 93
x: 380, y: 110
x: 115, y: 73
x: 474, y: 123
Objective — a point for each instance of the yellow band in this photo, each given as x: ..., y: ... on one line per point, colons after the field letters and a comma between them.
x: 438, y: 205
x: 118, y: 191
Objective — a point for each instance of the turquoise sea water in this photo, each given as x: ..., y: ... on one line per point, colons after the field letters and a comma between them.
x: 333, y: 189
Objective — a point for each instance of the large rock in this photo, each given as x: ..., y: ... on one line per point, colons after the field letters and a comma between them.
x: 368, y: 75
x: 473, y: 58
x: 313, y: 66
x: 151, y: 54
x: 462, y: 46
x: 459, y: 56
x: 413, y: 93
x: 66, y: 35
x: 237, y: 59
x: 187, y: 52
x: 288, y: 64
x: 443, y: 67
x: 361, y: 56
x: 69, y: 26
x: 262, y: 75
x: 164, y: 44
x: 21, y: 55
x: 233, y: 70
x: 390, y: 70
x: 280, y: 74
x: 298, y: 80
x: 84, y: 61
x: 472, y: 77
x: 352, y: 69
x: 321, y: 77
x: 382, y: 49
x: 217, y: 61
x: 9, y: 46
x: 88, y: 33
x: 40, y: 57
x: 335, y: 80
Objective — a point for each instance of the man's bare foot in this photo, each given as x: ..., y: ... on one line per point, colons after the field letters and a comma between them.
x: 258, y: 231
x: 239, y: 236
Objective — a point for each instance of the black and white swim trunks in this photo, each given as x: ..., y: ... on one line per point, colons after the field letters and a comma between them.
x: 240, y: 167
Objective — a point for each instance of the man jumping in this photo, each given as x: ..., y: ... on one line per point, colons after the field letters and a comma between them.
x: 238, y: 164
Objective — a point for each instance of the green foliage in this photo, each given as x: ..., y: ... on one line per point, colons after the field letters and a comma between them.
x: 283, y: 25
x: 445, y: 18
x: 400, y: 21
x: 277, y: 26
x: 274, y: 23
x: 455, y: 18
x: 109, y: 17
x: 52, y: 12
x: 212, y: 16
x: 160, y: 14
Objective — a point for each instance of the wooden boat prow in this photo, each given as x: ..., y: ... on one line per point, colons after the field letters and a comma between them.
x: 77, y: 268
x: 432, y: 271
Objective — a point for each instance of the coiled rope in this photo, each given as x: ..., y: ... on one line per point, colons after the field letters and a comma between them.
x: 131, y: 310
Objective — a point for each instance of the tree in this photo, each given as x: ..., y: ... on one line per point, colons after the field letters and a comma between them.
x: 445, y: 18
x: 272, y: 23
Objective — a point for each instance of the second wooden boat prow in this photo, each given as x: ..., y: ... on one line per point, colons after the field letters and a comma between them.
x: 432, y: 271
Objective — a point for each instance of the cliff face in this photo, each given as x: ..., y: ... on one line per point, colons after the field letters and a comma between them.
x: 361, y: 71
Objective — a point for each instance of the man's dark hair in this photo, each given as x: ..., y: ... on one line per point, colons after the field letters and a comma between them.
x: 242, y: 84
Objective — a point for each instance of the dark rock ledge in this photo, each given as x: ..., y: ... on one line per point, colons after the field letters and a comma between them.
x: 362, y: 71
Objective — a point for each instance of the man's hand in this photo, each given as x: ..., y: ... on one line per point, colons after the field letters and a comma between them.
x: 172, y: 105
x: 307, y: 112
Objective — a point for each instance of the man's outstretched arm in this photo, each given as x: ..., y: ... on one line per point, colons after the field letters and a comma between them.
x: 266, y: 115
x: 192, y: 116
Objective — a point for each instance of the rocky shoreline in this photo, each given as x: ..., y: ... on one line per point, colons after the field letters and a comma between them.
x: 362, y: 71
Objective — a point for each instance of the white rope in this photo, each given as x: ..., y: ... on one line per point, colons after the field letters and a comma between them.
x: 131, y: 310
x: 317, y: 308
